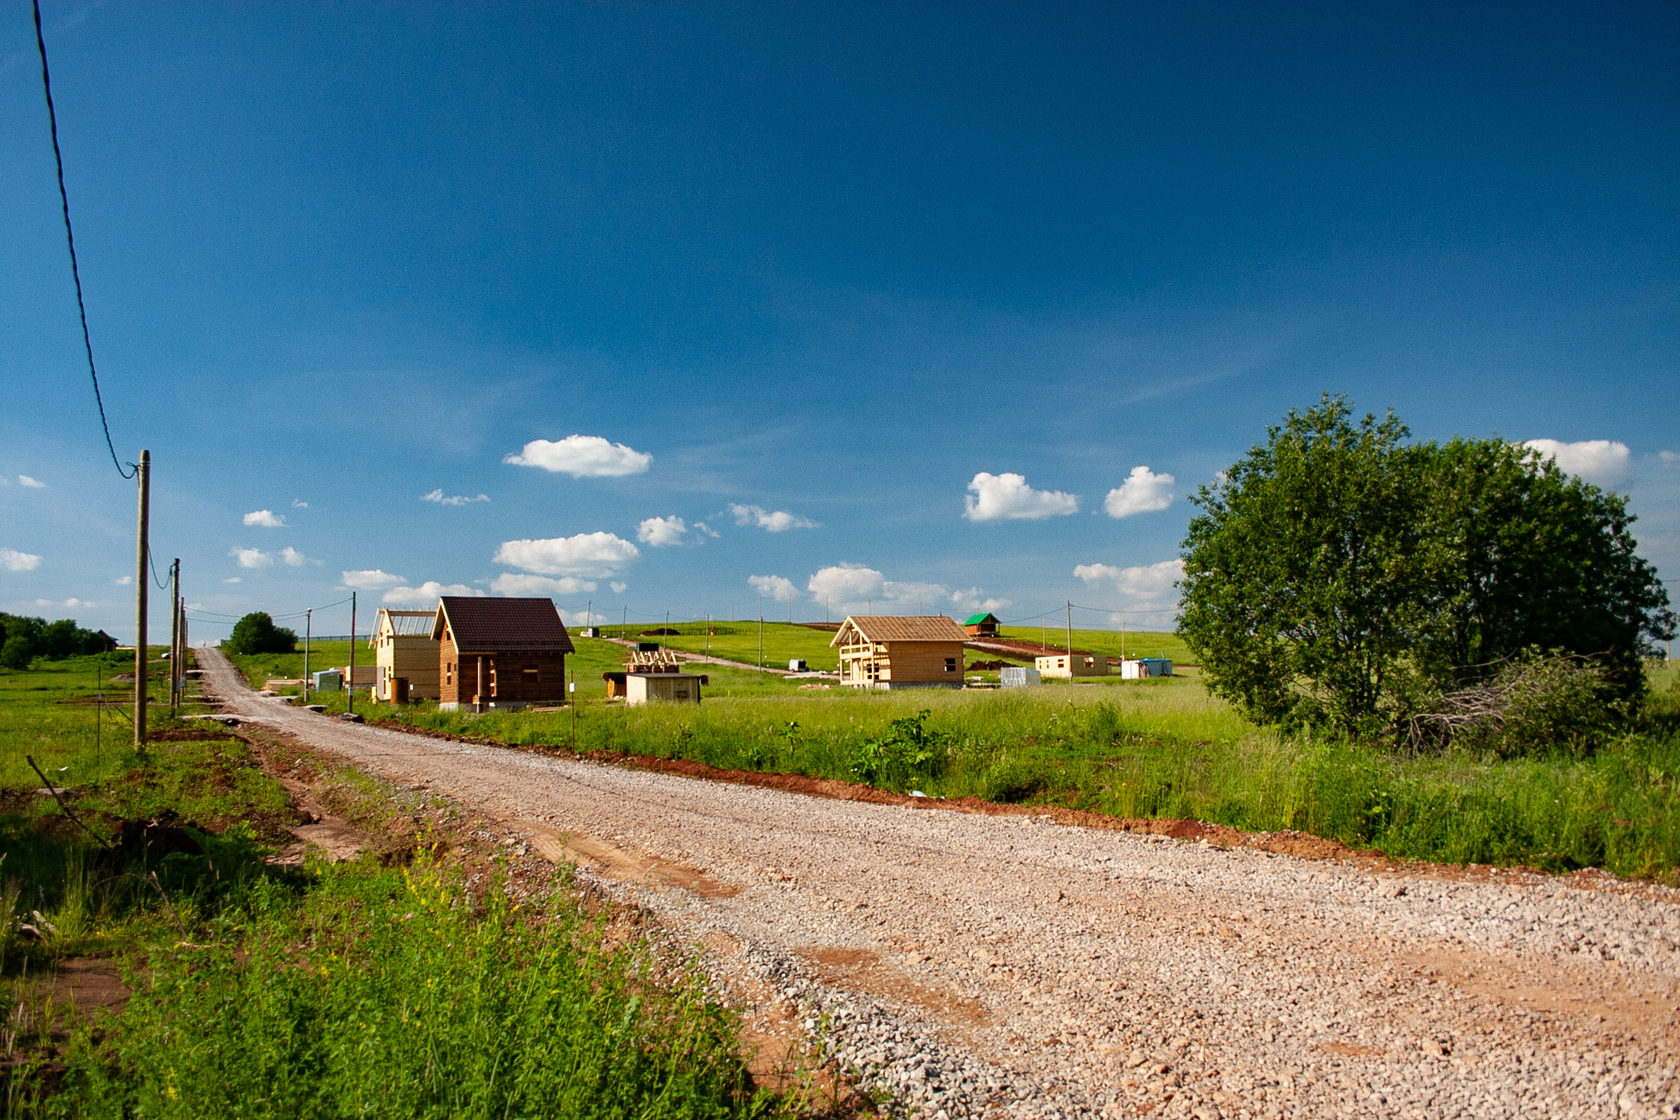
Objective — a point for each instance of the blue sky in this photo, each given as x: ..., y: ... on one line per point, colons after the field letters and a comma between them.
x: 903, y: 307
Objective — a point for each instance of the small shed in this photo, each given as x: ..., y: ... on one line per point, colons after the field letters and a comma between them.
x: 403, y: 646
x: 982, y: 626
x: 1019, y: 676
x: 327, y: 680
x: 900, y: 651
x: 671, y: 688
x: 1136, y: 669
x: 1068, y: 666
x: 499, y: 652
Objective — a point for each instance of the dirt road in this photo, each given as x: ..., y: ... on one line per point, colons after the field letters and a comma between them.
x: 1008, y: 966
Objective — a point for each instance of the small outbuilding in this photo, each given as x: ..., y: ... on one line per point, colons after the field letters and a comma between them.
x: 403, y: 647
x: 1067, y: 666
x: 900, y: 651
x: 1136, y: 669
x: 502, y: 653
x: 982, y: 626
x: 666, y: 688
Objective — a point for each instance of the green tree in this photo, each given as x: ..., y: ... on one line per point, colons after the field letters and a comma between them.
x: 1341, y: 577
x: 256, y: 633
x: 20, y: 640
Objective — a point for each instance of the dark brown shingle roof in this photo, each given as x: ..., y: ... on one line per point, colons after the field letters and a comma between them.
x: 484, y: 625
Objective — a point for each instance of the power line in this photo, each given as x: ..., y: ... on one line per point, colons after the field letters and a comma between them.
x: 70, y: 240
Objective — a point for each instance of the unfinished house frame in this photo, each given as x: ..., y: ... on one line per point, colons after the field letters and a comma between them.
x: 405, y: 656
x: 900, y: 651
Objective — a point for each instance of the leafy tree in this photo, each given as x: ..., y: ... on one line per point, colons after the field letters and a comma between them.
x: 256, y: 633
x: 1338, y: 576
x: 20, y: 640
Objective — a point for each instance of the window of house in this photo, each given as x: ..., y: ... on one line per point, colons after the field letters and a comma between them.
x: 449, y: 672
x: 530, y: 677
x: 950, y: 664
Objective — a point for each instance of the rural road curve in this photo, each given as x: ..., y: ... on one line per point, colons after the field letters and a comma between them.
x: 1008, y: 966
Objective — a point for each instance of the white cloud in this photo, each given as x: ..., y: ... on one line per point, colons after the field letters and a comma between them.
x: 1144, y: 491
x: 1669, y: 459
x: 973, y: 601
x: 366, y: 579
x: 618, y: 588
x: 12, y: 560
x: 773, y: 587
x: 1007, y: 497
x: 590, y: 555
x: 71, y: 604
x: 123, y: 581
x: 31, y: 483
x: 1599, y: 461
x: 428, y: 593
x: 661, y: 532
x: 292, y: 557
x: 265, y: 519
x: 1149, y: 585
x: 299, y: 503
x: 525, y: 584
x: 452, y: 499
x: 233, y: 579
x: 581, y: 457
x: 705, y: 530
x: 854, y: 587
x: 251, y: 557
x: 771, y: 521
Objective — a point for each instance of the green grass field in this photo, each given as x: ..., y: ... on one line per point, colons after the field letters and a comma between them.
x: 362, y: 989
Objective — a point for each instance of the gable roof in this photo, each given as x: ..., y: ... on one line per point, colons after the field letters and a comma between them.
x: 405, y: 624
x: 497, y: 625
x: 981, y: 619
x: 899, y: 628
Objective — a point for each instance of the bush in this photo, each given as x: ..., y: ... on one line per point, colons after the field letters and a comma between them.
x: 1532, y: 704
x: 256, y: 633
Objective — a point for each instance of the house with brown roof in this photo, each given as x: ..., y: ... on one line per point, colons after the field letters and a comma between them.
x: 499, y: 653
x: 900, y: 651
x: 405, y: 656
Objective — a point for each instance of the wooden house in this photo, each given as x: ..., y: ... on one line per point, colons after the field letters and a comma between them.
x: 403, y: 648
x: 982, y: 626
x: 1065, y: 666
x: 499, y: 653
x: 900, y: 651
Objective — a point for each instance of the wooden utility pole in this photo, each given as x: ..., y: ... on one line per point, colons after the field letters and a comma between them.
x: 174, y: 633
x: 1070, y: 635
x: 142, y: 581
x: 308, y: 623
x: 350, y: 685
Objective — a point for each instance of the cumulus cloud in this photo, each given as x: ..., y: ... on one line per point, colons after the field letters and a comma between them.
x: 661, y: 532
x: 1144, y: 491
x: 581, y: 457
x: 1670, y: 459
x: 771, y: 521
x: 264, y: 519
x: 854, y: 587
x: 973, y: 601
x: 299, y: 503
x: 1599, y: 461
x: 367, y: 579
x: 1007, y: 497
x: 525, y: 584
x: 123, y: 581
x: 773, y: 587
x: 233, y: 579
x: 619, y: 588
x: 292, y: 557
x: 1146, y: 585
x: 428, y: 593
x: 452, y: 499
x: 251, y: 557
x: 12, y: 560
x: 31, y: 483
x: 71, y: 604
x: 589, y: 555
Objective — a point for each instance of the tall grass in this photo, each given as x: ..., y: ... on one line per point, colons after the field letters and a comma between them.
x: 391, y: 994
x: 1164, y: 748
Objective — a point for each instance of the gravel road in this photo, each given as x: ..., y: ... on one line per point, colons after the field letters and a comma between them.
x: 1007, y: 966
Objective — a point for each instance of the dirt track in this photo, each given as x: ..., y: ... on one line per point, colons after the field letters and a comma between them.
x: 1007, y: 965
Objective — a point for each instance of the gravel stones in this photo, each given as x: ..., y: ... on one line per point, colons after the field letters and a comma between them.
x: 1006, y: 966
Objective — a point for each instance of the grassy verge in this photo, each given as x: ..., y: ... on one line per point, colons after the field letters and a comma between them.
x: 1164, y: 748
x: 380, y: 988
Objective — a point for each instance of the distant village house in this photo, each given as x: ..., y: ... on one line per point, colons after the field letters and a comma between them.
x: 900, y: 651
x: 405, y: 656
